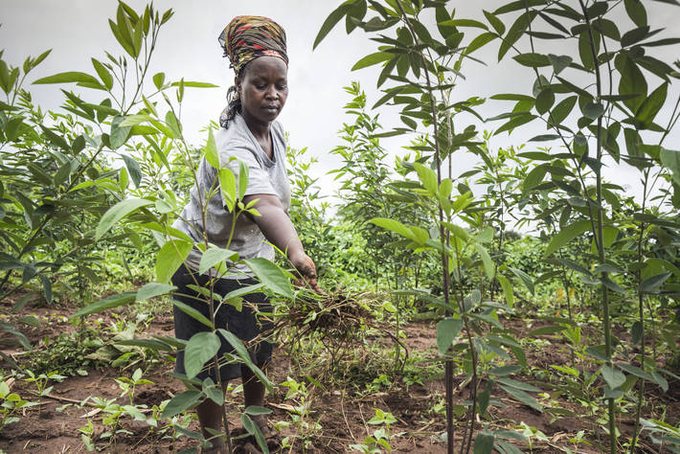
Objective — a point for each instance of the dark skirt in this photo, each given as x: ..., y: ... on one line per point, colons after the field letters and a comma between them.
x: 245, y: 324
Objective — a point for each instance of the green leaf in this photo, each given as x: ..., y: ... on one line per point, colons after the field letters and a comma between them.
x: 559, y: 62
x: 654, y: 283
x: 545, y: 100
x: 180, y: 403
x: 486, y: 260
x: 211, y: 154
x: 254, y: 430
x: 566, y: 235
x: 243, y: 178
x: 464, y: 23
x: 214, y: 255
x: 372, y: 59
x: 158, y: 80
x: 242, y: 352
x: 636, y: 11
x: 103, y: 72
x: 394, y: 226
x: 507, y: 290
x: 534, y: 178
x: 117, y: 212
x: 447, y: 331
x: 270, y: 275
x: 505, y: 370
x: 613, y: 377
x: 670, y: 159
x: 532, y: 60
x: 651, y: 106
x: 593, y: 110
x: 479, y: 42
x: 256, y: 410
x: 119, y: 134
x: 68, y: 77
x: 524, y: 277
x: 331, y: 21
x: 427, y: 177
x: 212, y: 391
x: 202, y: 347
x: 170, y: 257
x: 562, y: 110
x: 153, y: 289
x: 523, y: 397
x: 227, y: 187
x: 495, y: 22
x: 515, y: 33
x: 193, y: 313
x: 173, y: 124
x: 484, y: 442
x: 133, y: 169
x: 194, y: 84
x: 106, y: 304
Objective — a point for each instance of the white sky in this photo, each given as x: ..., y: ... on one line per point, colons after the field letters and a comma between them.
x: 77, y: 30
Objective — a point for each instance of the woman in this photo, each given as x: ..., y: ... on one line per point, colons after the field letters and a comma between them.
x: 256, y: 47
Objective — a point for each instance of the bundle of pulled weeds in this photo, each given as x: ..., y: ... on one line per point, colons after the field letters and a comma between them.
x: 337, y: 316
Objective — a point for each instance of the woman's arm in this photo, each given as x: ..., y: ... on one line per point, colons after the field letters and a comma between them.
x: 279, y: 230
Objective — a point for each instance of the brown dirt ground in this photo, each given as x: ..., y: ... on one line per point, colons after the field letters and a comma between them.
x: 342, y: 415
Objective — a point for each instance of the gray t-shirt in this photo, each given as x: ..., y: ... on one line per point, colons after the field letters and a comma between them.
x: 266, y: 176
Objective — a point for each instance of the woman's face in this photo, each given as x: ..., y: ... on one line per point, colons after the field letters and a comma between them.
x: 263, y: 88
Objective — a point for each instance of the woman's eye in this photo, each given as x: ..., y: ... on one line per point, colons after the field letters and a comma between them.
x: 281, y: 86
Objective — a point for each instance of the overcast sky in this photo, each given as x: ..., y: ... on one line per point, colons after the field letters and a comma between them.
x: 77, y: 30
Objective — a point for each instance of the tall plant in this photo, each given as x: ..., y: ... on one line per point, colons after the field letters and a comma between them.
x: 424, y: 71
x: 607, y: 73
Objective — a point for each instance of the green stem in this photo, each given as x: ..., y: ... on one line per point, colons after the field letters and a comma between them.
x: 611, y: 406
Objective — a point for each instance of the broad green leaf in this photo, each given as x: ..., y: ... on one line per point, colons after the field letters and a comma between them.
x: 447, y: 331
x: 193, y: 313
x: 213, y: 256
x: 613, y: 377
x: 534, y: 178
x: 331, y: 21
x: 524, y: 277
x: 566, y: 235
x: 270, y: 275
x: 211, y: 154
x: 562, y: 110
x: 212, y: 391
x: 507, y: 290
x: 117, y: 212
x: 484, y: 442
x: 495, y: 22
x: 153, y: 289
x: 146, y: 343
x: 194, y: 84
x: 671, y: 160
x: 593, y: 110
x: 181, y: 402
x: 68, y: 77
x: 427, y: 177
x: 243, y: 178
x: 523, y: 397
x: 532, y: 60
x: 242, y: 352
x: 545, y: 100
x: 654, y: 283
x: 103, y: 72
x: 133, y: 169
x: 486, y: 260
x: 170, y: 257
x: 228, y: 188
x: 394, y: 226
x: 373, y: 59
x: 515, y: 33
x: 106, y: 304
x: 255, y: 410
x: 254, y: 430
x: 559, y: 62
x: 505, y: 370
x: 119, y: 134
x: 202, y: 347
x: 651, y: 106
x: 173, y: 124
x: 636, y: 11
x: 518, y: 385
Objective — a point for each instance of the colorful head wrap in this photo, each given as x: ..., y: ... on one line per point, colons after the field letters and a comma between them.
x: 249, y: 37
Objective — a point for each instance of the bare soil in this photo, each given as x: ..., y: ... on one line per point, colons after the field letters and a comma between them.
x: 341, y: 415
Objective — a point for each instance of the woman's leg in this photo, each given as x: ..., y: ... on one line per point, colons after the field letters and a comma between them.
x: 210, y: 417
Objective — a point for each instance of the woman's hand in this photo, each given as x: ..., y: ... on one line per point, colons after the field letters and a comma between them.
x: 277, y: 228
x: 305, y: 266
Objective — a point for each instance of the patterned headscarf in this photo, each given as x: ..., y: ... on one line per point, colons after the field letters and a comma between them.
x: 249, y: 37
x: 243, y: 40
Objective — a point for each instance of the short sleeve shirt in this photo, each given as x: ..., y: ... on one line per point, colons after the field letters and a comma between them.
x: 266, y: 176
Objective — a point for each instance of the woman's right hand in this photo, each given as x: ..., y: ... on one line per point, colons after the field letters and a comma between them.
x: 305, y: 266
